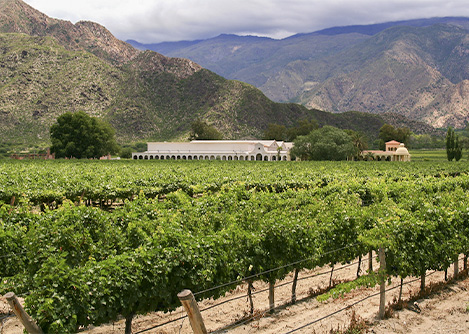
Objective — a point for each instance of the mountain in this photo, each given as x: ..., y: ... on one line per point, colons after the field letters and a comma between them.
x: 50, y: 66
x: 416, y: 68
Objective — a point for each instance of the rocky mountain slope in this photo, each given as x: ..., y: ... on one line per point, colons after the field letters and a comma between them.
x: 49, y: 66
x: 417, y: 68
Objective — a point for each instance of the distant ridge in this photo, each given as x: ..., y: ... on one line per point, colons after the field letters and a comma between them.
x: 373, y: 29
x: 417, y: 68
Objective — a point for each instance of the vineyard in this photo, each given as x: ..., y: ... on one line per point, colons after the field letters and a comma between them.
x: 88, y: 242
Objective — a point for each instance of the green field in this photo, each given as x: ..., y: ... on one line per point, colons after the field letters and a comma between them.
x: 431, y: 155
x: 83, y: 241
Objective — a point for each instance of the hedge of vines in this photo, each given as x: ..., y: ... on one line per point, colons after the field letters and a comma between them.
x: 198, y: 225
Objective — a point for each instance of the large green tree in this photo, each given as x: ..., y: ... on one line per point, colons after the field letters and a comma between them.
x: 81, y: 136
x: 388, y: 132
x: 327, y: 143
x: 200, y: 130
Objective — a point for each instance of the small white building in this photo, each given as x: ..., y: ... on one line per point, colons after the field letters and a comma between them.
x: 260, y: 150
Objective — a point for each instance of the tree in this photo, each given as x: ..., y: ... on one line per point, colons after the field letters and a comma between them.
x: 200, y: 130
x: 388, y: 132
x: 303, y: 128
x: 79, y: 135
x: 453, y: 147
x: 275, y: 132
x: 359, y: 142
x: 327, y: 143
x: 126, y: 153
x: 281, y: 132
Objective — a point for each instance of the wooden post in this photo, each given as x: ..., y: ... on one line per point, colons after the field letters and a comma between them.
x: 359, y: 265
x: 190, y: 305
x: 293, y: 288
x: 251, y: 303
x: 271, y: 296
x: 456, y: 267
x: 28, y: 323
x: 382, y: 282
x: 370, y: 261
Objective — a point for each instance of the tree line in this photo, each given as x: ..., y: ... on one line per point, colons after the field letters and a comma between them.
x: 78, y: 135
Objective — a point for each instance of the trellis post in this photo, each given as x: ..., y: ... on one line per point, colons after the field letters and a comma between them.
x: 28, y: 323
x: 192, y: 309
x: 382, y: 282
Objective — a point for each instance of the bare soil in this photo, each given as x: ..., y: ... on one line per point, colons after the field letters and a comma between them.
x: 445, y: 311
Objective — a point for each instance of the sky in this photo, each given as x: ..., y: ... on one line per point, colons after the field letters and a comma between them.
x: 154, y: 21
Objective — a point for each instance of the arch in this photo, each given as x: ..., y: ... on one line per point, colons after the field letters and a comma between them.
x: 231, y: 158
x: 212, y: 157
x: 184, y: 157
x: 157, y: 157
x: 135, y: 157
x: 258, y: 157
x: 151, y: 157
x: 253, y: 158
x: 146, y: 157
x: 140, y: 157
x: 284, y: 158
x: 266, y: 158
x: 223, y: 157
x: 274, y: 158
x: 241, y: 158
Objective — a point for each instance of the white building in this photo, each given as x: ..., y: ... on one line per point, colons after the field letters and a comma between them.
x: 260, y: 150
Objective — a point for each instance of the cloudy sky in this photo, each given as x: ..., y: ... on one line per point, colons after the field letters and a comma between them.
x: 172, y: 20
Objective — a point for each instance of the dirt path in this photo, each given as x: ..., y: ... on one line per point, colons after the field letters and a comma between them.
x: 446, y: 311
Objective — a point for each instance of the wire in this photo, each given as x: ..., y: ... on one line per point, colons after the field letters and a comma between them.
x: 271, y: 270
x: 353, y: 304
x: 160, y: 325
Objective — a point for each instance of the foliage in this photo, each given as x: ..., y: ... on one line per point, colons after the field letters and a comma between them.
x: 281, y: 132
x: 453, y: 147
x: 126, y: 153
x: 77, y: 135
x: 369, y: 280
x: 203, y: 224
x: 275, y: 132
x: 388, y: 132
x: 200, y: 130
x: 359, y: 142
x: 327, y: 143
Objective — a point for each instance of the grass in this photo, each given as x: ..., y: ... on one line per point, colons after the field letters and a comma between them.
x: 432, y: 155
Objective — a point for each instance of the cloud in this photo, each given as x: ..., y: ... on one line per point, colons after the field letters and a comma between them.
x: 171, y: 20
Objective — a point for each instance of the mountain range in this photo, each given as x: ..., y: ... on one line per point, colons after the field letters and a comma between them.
x: 50, y: 66
x: 416, y: 68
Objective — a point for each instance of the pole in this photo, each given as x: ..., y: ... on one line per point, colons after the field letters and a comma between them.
x: 382, y: 282
x: 190, y: 305
x: 28, y: 323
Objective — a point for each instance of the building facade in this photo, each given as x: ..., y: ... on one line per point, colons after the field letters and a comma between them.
x: 247, y: 150
x: 394, y: 151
